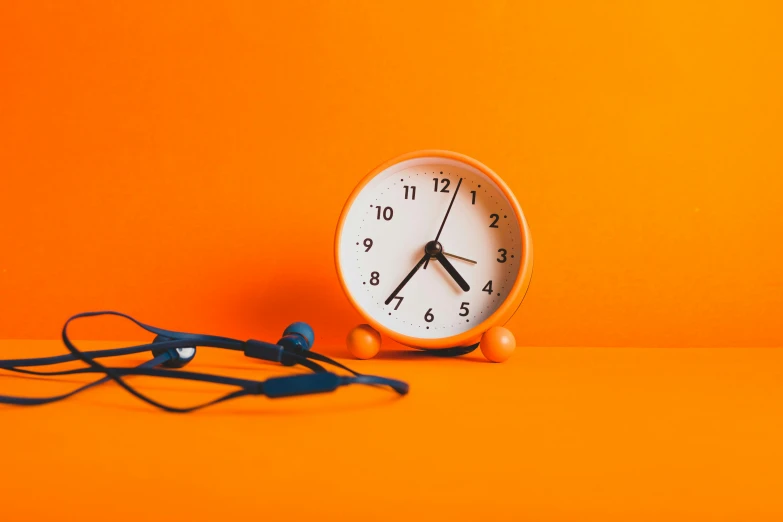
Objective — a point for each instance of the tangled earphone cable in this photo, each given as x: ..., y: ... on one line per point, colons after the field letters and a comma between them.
x: 174, y: 349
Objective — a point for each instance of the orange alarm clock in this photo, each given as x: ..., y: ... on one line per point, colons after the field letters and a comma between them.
x: 433, y: 250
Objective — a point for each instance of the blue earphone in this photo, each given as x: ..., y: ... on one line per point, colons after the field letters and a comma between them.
x: 172, y: 350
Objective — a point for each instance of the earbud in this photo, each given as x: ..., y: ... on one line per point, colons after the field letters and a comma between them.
x: 183, y: 355
x: 304, y: 330
x: 297, y: 337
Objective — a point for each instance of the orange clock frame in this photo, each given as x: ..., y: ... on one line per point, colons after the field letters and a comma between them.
x: 513, y: 300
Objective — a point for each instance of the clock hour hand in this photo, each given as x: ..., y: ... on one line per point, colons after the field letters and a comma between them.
x: 407, y: 278
x: 452, y: 271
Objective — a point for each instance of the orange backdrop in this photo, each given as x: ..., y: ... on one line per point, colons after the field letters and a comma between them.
x: 187, y: 162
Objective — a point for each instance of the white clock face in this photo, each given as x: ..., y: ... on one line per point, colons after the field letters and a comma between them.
x: 412, y: 212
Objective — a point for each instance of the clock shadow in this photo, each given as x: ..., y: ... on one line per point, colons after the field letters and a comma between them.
x: 412, y: 354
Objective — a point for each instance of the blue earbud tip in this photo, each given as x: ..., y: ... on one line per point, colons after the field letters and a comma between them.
x: 303, y: 329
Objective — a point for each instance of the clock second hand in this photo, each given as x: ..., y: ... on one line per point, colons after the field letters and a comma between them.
x: 460, y: 258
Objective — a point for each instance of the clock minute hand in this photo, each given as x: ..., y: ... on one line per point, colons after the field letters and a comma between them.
x: 449, y: 209
x: 452, y: 271
x: 407, y: 278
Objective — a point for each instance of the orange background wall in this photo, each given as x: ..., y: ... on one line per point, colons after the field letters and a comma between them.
x: 187, y: 162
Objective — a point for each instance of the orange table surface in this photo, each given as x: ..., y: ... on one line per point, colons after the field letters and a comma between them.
x: 553, y: 434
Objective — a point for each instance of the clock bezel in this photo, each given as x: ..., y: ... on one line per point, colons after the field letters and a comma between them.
x: 507, y: 308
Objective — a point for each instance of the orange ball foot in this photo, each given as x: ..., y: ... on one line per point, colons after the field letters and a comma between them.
x: 364, y: 342
x: 498, y: 344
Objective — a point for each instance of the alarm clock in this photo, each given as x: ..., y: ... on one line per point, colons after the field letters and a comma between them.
x: 433, y: 250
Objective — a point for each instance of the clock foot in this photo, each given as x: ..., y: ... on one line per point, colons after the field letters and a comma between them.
x: 364, y: 342
x: 498, y: 344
